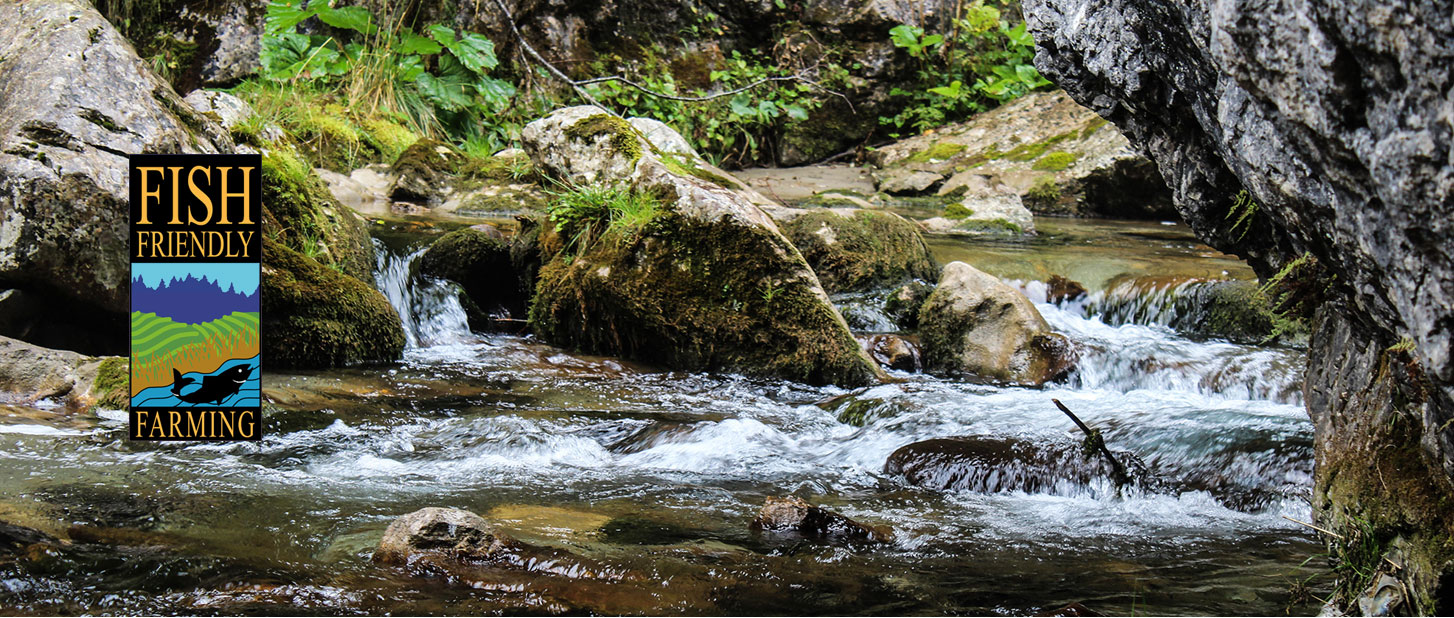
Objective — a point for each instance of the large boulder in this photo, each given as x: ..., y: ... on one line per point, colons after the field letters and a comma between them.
x: 1334, y: 118
x: 1043, y: 149
x: 702, y: 280
x: 854, y: 250
x: 480, y: 260
x: 314, y: 316
x: 74, y: 101
x: 977, y: 326
x: 30, y: 374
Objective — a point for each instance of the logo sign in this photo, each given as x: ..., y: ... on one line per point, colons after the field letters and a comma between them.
x: 196, y: 238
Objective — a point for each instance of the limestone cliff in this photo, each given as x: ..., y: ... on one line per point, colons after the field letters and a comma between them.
x: 1335, y: 117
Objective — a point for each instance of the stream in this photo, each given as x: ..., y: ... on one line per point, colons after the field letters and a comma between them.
x: 657, y: 474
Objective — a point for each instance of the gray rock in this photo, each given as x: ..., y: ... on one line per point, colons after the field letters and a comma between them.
x: 76, y: 102
x: 977, y: 326
x: 1059, y: 157
x: 761, y: 310
x: 454, y: 532
x: 1335, y: 118
x: 31, y: 374
x: 907, y: 181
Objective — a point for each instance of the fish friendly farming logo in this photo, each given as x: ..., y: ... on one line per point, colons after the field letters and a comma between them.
x: 195, y: 297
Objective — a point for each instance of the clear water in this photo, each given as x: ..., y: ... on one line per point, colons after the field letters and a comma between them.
x: 653, y: 476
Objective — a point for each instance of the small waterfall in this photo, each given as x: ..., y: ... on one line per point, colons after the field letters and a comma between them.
x: 429, y: 308
x: 1128, y: 341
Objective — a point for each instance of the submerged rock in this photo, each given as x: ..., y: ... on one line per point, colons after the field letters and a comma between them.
x: 795, y: 515
x: 453, y: 532
x: 976, y: 325
x: 1059, y: 289
x: 853, y: 250
x: 904, y: 303
x: 992, y: 464
x: 895, y: 352
x: 704, y: 281
x: 77, y: 101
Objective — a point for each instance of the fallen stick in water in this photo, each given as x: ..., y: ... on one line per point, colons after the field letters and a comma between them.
x: 1096, y: 442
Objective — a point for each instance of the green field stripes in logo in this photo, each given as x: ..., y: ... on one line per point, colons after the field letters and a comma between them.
x: 151, y: 333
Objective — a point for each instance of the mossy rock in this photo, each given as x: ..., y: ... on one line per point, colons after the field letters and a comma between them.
x: 112, y: 385
x: 481, y: 264
x: 302, y: 215
x: 864, y: 250
x: 903, y: 304
x: 423, y: 173
x: 1055, y: 161
x: 622, y: 136
x: 695, y: 295
x: 941, y: 151
x: 314, y: 317
x: 1237, y: 311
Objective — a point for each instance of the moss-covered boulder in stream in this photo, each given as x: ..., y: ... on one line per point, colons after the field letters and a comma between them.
x: 855, y: 250
x: 674, y: 269
x: 481, y: 263
x: 314, y: 316
x: 305, y: 217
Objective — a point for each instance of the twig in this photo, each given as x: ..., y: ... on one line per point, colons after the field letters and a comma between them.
x: 1322, y: 530
x: 1122, y: 478
x: 529, y: 49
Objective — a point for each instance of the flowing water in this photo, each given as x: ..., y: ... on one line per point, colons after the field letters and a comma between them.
x: 651, y: 477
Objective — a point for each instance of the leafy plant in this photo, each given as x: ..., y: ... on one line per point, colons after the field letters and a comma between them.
x: 983, y: 63
x: 586, y: 213
x: 438, y: 79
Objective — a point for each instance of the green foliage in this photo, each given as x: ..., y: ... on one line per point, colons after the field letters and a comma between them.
x: 983, y: 62
x: 439, y: 79
x: 584, y: 214
x: 1243, y: 208
x: 740, y: 128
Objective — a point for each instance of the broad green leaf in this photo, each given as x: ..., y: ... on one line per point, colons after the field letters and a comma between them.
x: 796, y: 112
x: 355, y: 18
x: 443, y: 92
x: 932, y: 40
x: 951, y: 91
x: 1019, y: 36
x: 496, y: 93
x: 741, y: 105
x: 904, y: 35
x: 1027, y: 74
x: 415, y: 44
x: 766, y: 109
x: 443, y: 34
x: 477, y: 52
x: 283, y: 16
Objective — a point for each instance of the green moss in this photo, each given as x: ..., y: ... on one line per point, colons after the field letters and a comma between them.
x: 113, y: 380
x: 942, y: 151
x: 478, y: 171
x: 387, y: 137
x: 1030, y: 152
x: 1091, y: 126
x: 687, y: 168
x: 1055, y: 161
x: 481, y: 264
x: 623, y: 136
x: 992, y: 226
x: 305, y: 217
x: 957, y: 211
x: 868, y: 250
x: 689, y: 295
x: 316, y: 317
x: 102, y: 120
x: 1043, y: 194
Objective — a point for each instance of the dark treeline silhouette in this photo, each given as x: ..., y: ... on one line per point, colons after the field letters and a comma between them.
x: 189, y: 299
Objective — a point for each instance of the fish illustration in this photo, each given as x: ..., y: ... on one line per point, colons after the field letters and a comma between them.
x: 215, y: 388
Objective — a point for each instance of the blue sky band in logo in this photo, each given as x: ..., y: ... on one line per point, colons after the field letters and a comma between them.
x: 195, y: 297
